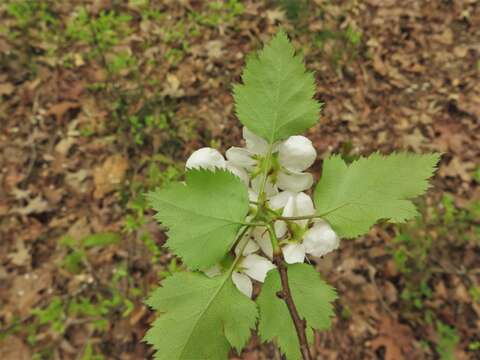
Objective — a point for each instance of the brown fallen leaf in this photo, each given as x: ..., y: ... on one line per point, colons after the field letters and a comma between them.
x: 172, y: 87
x: 60, y: 109
x: 414, y: 140
x: 109, y: 175
x: 392, y: 350
x: 459, y: 168
x: 214, y: 49
x: 275, y: 15
x: 12, y: 348
x: 445, y: 38
x: 6, y: 89
x: 395, y: 338
x: 65, y: 144
x: 21, y: 256
x: 26, y: 290
x: 37, y: 205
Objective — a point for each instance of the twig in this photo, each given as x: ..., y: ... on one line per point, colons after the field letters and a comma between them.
x: 286, y: 295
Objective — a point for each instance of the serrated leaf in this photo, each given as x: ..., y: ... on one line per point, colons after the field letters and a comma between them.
x: 312, y: 297
x: 203, y: 216
x: 201, y: 317
x: 276, y: 98
x: 353, y: 198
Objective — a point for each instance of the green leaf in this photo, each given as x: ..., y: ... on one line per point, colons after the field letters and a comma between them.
x: 203, y: 215
x: 101, y: 239
x: 201, y: 317
x: 312, y: 297
x: 353, y: 198
x: 276, y: 97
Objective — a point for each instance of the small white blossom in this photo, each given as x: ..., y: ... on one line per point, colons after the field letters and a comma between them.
x: 296, y: 153
x: 317, y: 241
x: 211, y: 159
x: 294, y: 156
x: 320, y: 239
x: 252, y: 266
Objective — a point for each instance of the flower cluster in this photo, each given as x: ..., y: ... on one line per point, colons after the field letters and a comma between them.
x: 282, y: 193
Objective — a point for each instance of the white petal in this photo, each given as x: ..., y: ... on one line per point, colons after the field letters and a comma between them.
x: 293, y: 253
x: 304, y: 207
x: 320, y: 239
x: 252, y: 195
x: 240, y: 157
x: 280, y: 200
x: 280, y: 228
x: 294, y: 181
x: 296, y: 153
x: 290, y: 207
x: 213, y: 271
x: 256, y: 267
x: 206, y: 158
x: 247, y: 244
x: 255, y: 143
x: 270, y: 189
x: 239, y: 172
x: 243, y: 283
x: 262, y: 238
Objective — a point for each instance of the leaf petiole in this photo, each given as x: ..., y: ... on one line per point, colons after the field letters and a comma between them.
x: 251, y: 224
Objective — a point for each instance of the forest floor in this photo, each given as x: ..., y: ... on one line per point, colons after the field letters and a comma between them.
x: 102, y: 100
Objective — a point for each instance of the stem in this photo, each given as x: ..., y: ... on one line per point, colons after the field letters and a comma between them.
x: 261, y: 195
x: 304, y: 217
x: 250, y: 224
x: 273, y: 238
x: 286, y: 295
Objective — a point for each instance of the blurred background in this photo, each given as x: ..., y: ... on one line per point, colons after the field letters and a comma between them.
x: 103, y: 100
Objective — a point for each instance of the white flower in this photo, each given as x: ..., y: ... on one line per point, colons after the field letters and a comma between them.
x: 317, y: 241
x: 295, y: 155
x: 293, y: 205
x: 252, y: 266
x: 320, y: 239
x: 211, y: 159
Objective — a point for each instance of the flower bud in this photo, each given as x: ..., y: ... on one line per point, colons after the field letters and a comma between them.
x: 296, y: 153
